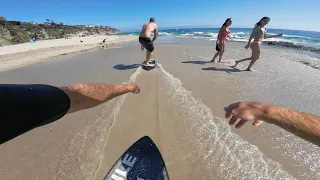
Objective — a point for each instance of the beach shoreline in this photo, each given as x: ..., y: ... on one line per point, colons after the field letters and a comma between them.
x: 14, y: 56
x: 180, y: 107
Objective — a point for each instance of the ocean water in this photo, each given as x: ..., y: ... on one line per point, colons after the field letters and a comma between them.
x: 305, y: 38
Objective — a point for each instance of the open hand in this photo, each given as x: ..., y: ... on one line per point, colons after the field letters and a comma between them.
x: 247, y: 111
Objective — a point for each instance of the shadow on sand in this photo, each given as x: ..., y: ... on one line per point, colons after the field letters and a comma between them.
x: 228, y: 70
x: 126, y: 67
x: 196, y: 62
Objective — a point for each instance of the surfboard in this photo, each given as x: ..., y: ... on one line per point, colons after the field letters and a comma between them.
x: 141, y: 161
x: 152, y: 63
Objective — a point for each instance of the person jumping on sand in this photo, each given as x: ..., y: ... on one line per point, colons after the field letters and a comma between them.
x: 144, y: 38
x: 259, y: 33
x: 222, y: 37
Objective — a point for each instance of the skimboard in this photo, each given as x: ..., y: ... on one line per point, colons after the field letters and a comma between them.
x: 142, y: 161
x: 153, y: 64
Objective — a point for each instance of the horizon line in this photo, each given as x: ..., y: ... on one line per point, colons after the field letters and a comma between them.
x: 168, y: 28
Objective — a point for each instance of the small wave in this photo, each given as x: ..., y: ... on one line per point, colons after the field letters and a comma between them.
x: 239, y: 33
x: 186, y: 34
x: 198, y: 32
x: 165, y: 33
x: 293, y: 36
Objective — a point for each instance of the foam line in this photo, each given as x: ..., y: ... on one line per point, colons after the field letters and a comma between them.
x: 85, y: 149
x: 232, y: 156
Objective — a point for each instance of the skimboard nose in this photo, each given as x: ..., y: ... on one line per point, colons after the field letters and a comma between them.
x: 141, y: 161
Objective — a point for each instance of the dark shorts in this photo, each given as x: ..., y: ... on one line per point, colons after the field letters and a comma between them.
x: 24, y: 107
x: 146, y: 43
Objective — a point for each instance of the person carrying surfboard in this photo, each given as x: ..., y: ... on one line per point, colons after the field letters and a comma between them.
x: 145, y: 40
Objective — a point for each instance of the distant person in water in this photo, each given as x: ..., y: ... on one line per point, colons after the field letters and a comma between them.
x: 259, y: 33
x: 144, y: 38
x: 222, y: 37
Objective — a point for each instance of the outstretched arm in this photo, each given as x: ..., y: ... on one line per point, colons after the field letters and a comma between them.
x: 272, y: 36
x: 24, y: 107
x: 84, y: 96
x: 301, y: 124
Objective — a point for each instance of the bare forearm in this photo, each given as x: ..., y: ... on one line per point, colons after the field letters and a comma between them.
x: 155, y: 37
x: 250, y: 39
x: 301, y: 124
x: 272, y: 36
x: 84, y: 96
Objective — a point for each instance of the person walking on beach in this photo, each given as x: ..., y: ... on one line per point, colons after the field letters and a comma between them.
x: 221, y: 39
x: 259, y: 33
x: 145, y: 41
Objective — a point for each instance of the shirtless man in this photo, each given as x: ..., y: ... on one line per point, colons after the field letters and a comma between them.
x: 144, y: 38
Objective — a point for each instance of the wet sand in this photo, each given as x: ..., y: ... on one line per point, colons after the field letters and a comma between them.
x: 179, y: 107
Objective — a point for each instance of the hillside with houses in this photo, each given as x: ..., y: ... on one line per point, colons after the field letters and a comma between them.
x: 14, y: 32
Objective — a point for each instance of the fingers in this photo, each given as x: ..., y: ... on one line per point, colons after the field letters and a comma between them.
x: 134, y: 88
x: 228, y: 113
x: 241, y: 123
x: 233, y: 120
x: 230, y: 109
x: 257, y: 123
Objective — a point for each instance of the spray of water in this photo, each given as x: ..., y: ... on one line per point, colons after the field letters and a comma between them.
x: 85, y: 148
x: 233, y: 157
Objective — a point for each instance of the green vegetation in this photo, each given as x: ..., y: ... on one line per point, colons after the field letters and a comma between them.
x: 13, y: 32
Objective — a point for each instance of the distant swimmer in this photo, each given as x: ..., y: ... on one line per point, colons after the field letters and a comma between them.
x: 145, y: 41
x: 259, y: 33
x: 25, y: 107
x: 304, y: 125
x: 221, y: 39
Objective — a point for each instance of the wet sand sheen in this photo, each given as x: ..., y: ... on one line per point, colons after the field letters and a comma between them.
x: 191, y: 149
x: 180, y: 108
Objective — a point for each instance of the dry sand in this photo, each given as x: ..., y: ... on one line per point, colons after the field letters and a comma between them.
x: 13, y: 56
x: 179, y: 107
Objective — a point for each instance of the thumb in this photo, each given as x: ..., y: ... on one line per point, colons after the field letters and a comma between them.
x: 257, y: 123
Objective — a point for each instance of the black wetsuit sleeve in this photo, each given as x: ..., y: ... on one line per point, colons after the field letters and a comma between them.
x: 24, y: 107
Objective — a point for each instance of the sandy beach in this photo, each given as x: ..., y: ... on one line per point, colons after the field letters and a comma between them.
x: 180, y: 107
x: 13, y: 56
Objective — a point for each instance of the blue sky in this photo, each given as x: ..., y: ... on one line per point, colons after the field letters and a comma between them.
x: 132, y: 14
